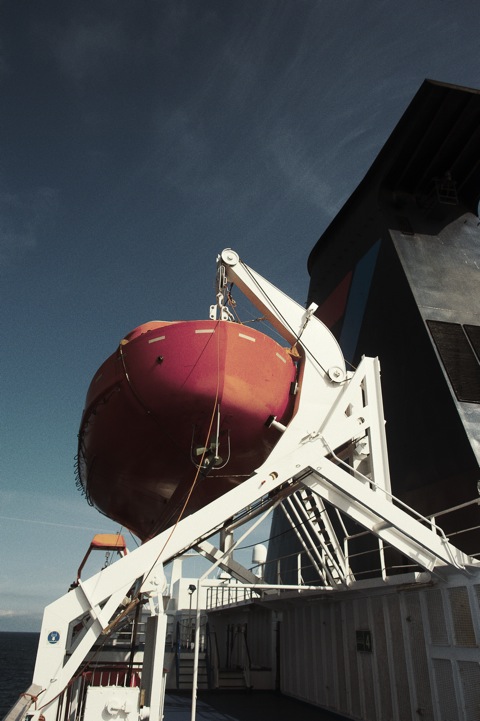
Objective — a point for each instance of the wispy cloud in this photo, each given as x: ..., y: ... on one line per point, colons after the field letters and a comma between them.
x: 13, y: 619
x: 90, y: 47
x: 22, y: 216
x: 47, y: 523
x: 8, y: 613
x: 87, y: 49
x: 29, y: 505
x: 300, y: 170
x: 4, y: 67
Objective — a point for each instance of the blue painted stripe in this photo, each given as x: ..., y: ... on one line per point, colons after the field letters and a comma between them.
x: 357, y: 301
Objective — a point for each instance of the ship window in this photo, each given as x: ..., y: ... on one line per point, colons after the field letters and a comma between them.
x: 473, y: 333
x: 458, y: 347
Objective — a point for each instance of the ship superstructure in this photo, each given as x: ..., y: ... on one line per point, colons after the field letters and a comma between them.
x: 367, y: 602
x: 396, y: 275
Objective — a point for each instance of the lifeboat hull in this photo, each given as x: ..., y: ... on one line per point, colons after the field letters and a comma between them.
x: 177, y: 416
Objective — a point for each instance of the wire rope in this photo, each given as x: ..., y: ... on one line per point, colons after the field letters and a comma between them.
x: 285, y: 321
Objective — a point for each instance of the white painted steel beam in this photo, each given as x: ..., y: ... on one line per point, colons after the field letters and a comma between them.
x: 214, y: 554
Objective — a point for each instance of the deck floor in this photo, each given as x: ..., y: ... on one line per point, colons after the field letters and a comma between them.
x: 232, y: 706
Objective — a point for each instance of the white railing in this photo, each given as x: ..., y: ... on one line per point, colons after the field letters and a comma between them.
x: 378, y: 561
x: 72, y: 700
x: 228, y: 594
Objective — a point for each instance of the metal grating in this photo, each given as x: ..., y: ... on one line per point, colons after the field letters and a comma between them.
x: 462, y: 617
x: 470, y: 679
x: 459, y: 360
x: 436, y: 617
x: 447, y: 702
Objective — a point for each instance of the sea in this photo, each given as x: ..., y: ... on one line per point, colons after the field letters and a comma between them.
x: 17, y: 659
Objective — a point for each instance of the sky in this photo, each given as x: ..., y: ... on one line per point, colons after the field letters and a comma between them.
x: 139, y: 139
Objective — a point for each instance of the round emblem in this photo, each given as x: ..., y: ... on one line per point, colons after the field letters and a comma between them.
x: 53, y: 637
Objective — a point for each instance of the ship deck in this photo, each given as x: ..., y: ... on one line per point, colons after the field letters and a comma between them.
x: 246, y: 706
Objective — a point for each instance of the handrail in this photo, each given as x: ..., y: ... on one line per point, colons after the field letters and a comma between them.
x: 228, y: 594
x: 368, y: 481
x: 474, y: 502
x: 102, y: 674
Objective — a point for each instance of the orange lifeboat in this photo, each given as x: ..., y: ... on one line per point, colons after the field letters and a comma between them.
x: 177, y: 416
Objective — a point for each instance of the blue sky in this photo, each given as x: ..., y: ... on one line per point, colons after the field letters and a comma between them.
x: 139, y: 139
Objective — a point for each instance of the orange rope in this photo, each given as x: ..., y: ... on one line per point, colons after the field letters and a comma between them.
x: 180, y: 515
x: 112, y: 625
